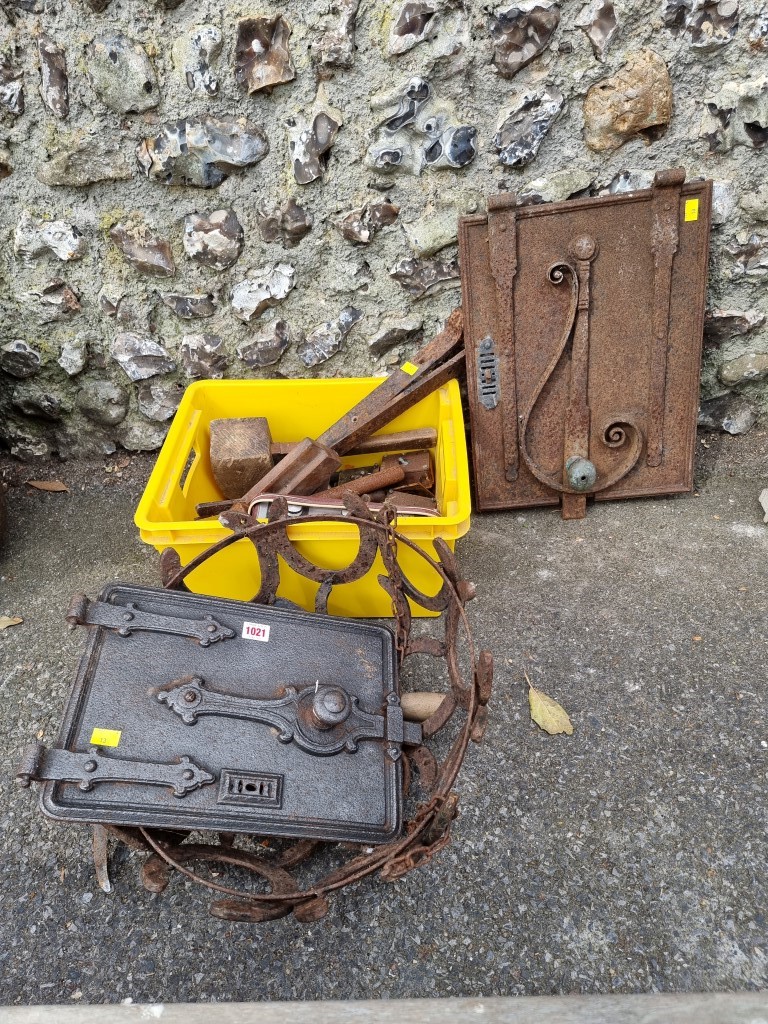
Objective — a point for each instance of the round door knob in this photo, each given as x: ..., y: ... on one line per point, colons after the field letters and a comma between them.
x: 580, y: 473
x: 330, y: 706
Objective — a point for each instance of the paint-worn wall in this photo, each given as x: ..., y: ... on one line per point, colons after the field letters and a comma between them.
x: 203, y: 188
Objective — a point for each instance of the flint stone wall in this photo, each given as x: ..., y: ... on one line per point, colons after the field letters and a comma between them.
x: 195, y: 189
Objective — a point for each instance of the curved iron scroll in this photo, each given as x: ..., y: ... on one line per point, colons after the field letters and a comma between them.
x: 618, y: 433
x: 470, y: 682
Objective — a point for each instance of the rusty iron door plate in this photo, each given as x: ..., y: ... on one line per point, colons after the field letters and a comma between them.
x: 194, y: 712
x: 583, y: 330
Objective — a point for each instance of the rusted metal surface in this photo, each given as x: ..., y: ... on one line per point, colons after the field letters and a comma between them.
x: 323, y: 720
x: 583, y: 330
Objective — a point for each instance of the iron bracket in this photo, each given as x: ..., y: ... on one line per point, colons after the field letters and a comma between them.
x: 127, y: 619
x: 42, y: 765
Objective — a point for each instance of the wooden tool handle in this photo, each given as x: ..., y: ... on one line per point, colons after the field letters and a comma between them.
x: 419, y: 705
x: 397, y: 441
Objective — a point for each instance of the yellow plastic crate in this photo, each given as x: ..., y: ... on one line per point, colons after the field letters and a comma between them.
x: 296, y: 409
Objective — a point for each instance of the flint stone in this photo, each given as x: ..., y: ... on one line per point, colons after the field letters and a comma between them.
x: 433, y: 230
x: 58, y: 300
x: 599, y: 21
x: 521, y: 33
x: 287, y: 225
x: 143, y: 437
x: 394, y: 332
x: 758, y: 35
x: 54, y: 84
x: 143, y: 250
x: 711, y: 24
x: 34, y: 402
x: 11, y: 87
x: 202, y: 355
x: 751, y: 253
x: 360, y: 226
x: 133, y: 311
x: 33, y: 238
x: 215, y: 239
x: 723, y: 202
x: 310, y: 142
x: 103, y: 401
x: 193, y: 55
x: 635, y: 102
x: 555, y: 187
x: 326, y: 339
x: 74, y: 354
x: 262, y: 58
x: 411, y: 137
x: 763, y: 499
x: 141, y: 356
x: 722, y: 324
x: 267, y: 347
x: 630, y: 180
x: 19, y: 360
x: 264, y: 287
x: 415, y: 22
x: 737, y: 115
x: 201, y: 151
x: 27, y: 448
x: 749, y: 367
x: 335, y: 48
x: 159, y: 401
x: 426, y: 277
x: 730, y: 413
x: 451, y: 145
x: 754, y: 202
x: 122, y: 75
x: 522, y: 132
x: 88, y: 162
x: 6, y: 167
x: 191, y: 307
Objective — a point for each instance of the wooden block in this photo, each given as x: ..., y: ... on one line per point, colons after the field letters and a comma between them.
x: 304, y: 470
x: 240, y: 453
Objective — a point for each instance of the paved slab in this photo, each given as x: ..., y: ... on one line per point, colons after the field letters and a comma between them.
x: 628, y: 857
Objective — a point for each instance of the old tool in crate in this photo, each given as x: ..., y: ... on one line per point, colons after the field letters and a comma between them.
x: 242, y: 450
x: 583, y: 324
x: 310, y: 464
x: 223, y: 782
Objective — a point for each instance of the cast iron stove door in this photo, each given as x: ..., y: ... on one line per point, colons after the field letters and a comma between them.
x: 194, y: 712
x: 583, y: 325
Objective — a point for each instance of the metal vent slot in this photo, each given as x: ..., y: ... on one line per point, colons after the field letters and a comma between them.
x: 251, y: 788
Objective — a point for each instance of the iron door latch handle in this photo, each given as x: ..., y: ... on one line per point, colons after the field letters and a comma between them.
x: 320, y: 718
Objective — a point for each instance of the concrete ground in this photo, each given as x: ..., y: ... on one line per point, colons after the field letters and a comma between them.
x: 629, y: 857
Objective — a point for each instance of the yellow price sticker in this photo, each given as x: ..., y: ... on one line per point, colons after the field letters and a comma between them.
x: 691, y: 209
x: 106, y: 737
x: 409, y: 368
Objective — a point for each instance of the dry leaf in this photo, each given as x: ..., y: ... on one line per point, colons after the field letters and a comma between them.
x: 547, y: 713
x: 48, y: 485
x: 10, y: 620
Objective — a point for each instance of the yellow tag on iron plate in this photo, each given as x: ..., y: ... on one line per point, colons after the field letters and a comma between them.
x: 409, y: 368
x: 106, y: 737
x: 691, y: 209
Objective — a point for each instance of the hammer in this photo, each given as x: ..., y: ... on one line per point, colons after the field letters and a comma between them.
x: 242, y: 450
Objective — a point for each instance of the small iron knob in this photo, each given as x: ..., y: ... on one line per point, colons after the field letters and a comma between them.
x: 581, y: 473
x: 330, y: 706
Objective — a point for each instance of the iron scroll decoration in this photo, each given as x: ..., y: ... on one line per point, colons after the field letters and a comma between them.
x: 577, y: 474
x: 469, y: 691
